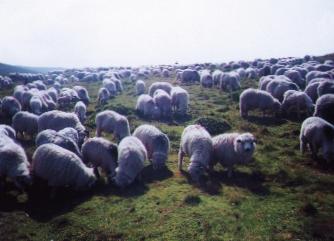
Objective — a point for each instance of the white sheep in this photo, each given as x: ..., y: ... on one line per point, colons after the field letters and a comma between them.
x: 110, y: 86
x: 14, y: 162
x: 7, y: 131
x: 232, y: 148
x: 160, y: 85
x: 60, y: 167
x: 180, y: 100
x: 297, y: 102
x: 140, y: 87
x: 100, y: 153
x: 80, y: 110
x: 324, y: 107
x: 10, y: 106
x: 206, y: 79
x: 131, y: 157
x: 103, y: 96
x: 155, y: 142
x: 70, y: 133
x: 251, y: 99
x: 317, y: 133
x: 82, y: 93
x: 146, y: 106
x: 112, y: 122
x: 197, y: 144
x: 164, y: 102
x: 25, y: 122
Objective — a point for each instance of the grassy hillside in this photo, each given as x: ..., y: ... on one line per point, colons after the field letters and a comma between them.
x: 280, y: 196
x: 5, y: 69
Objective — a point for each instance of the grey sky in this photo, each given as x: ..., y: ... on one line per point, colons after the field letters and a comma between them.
x: 77, y: 33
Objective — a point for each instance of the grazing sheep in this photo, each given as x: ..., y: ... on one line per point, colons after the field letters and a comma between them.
x: 10, y: 106
x: 112, y: 122
x: 25, y: 122
x: 131, y: 157
x: 190, y: 76
x: 100, y: 153
x: 324, y: 107
x: 326, y: 87
x: 251, y: 73
x: 316, y: 74
x: 311, y: 91
x: 110, y: 86
x: 164, y: 103
x: 36, y: 105
x: 318, y: 134
x: 103, y: 96
x: 180, y: 100
x: 265, y: 80
x: 57, y: 120
x: 14, y: 162
x: 197, y: 144
x: 206, y: 79
x: 140, y: 87
x: 297, y: 102
x: 7, y: 131
x: 278, y: 86
x: 160, y: 85
x: 146, y: 106
x: 232, y: 148
x: 80, y: 110
x: 60, y: 167
x: 296, y: 77
x: 229, y: 82
x: 70, y: 133
x: 216, y: 77
x: 155, y: 142
x: 119, y: 86
x: 251, y: 99
x: 82, y: 93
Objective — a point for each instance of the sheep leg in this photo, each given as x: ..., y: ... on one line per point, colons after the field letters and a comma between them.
x: 303, y: 146
x: 181, y: 157
x: 96, y: 172
x: 229, y: 172
x: 314, y: 151
x: 98, y: 132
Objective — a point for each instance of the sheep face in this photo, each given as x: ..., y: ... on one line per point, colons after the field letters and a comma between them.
x: 245, y: 144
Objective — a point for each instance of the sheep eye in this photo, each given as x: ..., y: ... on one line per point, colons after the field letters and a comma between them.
x: 239, y: 141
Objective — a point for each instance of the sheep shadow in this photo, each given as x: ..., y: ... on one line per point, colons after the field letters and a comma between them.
x: 151, y: 175
x: 266, y: 120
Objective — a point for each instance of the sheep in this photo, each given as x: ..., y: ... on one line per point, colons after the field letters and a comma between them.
x: 311, y: 91
x: 110, y: 86
x: 197, y: 144
x: 251, y: 99
x: 156, y: 144
x: 60, y: 167
x: 216, y: 76
x: 278, y: 86
x: 326, y: 87
x: 82, y: 93
x: 7, y: 131
x: 206, y: 79
x: 25, y: 122
x: 119, y: 86
x: 229, y: 82
x: 53, y: 93
x: 59, y: 139
x: 298, y: 101
x: 230, y: 149
x: 18, y: 92
x: 324, y: 107
x: 80, y: 110
x: 131, y: 157
x: 265, y: 80
x: 296, y: 77
x: 190, y: 76
x: 251, y: 73
x: 14, y: 162
x: 316, y: 74
x: 57, y: 120
x: 140, y: 87
x: 112, y: 122
x: 70, y: 133
x: 36, y: 105
x: 165, y: 73
x: 100, y: 153
x: 103, y: 96
x: 10, y: 106
x: 318, y: 134
x: 159, y: 85
x: 180, y: 100
x: 164, y: 103
x: 146, y: 106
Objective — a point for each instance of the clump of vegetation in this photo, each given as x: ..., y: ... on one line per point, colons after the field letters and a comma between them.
x: 213, y: 126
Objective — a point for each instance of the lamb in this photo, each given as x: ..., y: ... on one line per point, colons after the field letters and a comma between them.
x: 25, y: 122
x: 232, y: 148
x: 146, y: 106
x: 57, y: 120
x: 82, y: 93
x: 112, y: 122
x: 197, y: 144
x: 324, y: 107
x: 7, y: 131
x: 10, y: 106
x: 101, y: 153
x: 180, y: 100
x: 80, y: 110
x: 131, y: 157
x: 297, y: 101
x: 14, y: 162
x: 164, y: 103
x: 103, y: 96
x: 160, y: 85
x: 140, y: 87
x: 60, y: 167
x: 59, y: 139
x: 251, y: 99
x: 206, y: 79
x: 156, y: 144
x: 318, y: 134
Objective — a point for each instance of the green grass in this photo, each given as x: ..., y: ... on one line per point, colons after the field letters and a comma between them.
x: 282, y: 195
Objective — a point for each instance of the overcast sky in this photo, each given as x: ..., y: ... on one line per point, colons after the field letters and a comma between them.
x: 78, y: 33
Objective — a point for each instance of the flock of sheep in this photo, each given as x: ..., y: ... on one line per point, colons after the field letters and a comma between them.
x: 66, y: 156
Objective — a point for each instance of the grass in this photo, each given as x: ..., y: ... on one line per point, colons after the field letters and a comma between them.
x: 282, y: 195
